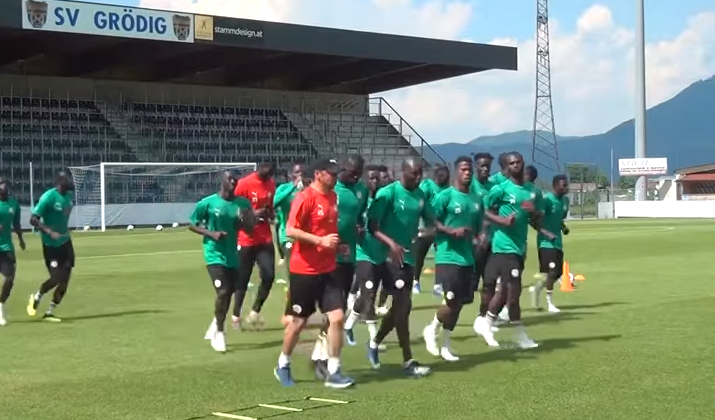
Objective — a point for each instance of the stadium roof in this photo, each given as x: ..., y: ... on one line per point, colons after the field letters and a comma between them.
x: 699, y: 169
x: 72, y: 39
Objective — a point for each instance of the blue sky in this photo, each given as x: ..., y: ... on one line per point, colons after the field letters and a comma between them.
x: 592, y: 55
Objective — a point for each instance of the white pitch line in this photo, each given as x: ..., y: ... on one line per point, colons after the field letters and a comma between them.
x: 625, y: 231
x: 141, y: 254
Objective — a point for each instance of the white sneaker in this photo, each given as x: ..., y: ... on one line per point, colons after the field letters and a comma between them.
x: 382, y: 311
x: 281, y: 281
x: 483, y: 328
x: 3, y: 321
x: 447, y: 355
x: 281, y: 261
x: 495, y: 329
x: 523, y: 341
x: 382, y: 348
x: 430, y: 336
x: 351, y: 301
x: 256, y: 320
x: 237, y: 323
x: 211, y: 332
x: 218, y: 342
x: 504, y: 315
x: 553, y: 309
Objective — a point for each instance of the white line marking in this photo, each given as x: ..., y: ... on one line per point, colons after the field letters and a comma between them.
x: 624, y: 231
x: 141, y: 254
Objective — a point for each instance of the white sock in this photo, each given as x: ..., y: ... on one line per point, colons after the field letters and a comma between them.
x: 324, y: 349
x: 446, y: 334
x: 52, y: 307
x: 317, y: 350
x: 352, y: 320
x: 372, y: 329
x: 38, y: 295
x: 435, y: 324
x: 549, y: 301
x: 373, y: 344
x: 283, y: 360
x: 333, y: 365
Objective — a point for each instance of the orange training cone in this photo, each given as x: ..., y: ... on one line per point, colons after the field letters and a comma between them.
x: 566, y: 285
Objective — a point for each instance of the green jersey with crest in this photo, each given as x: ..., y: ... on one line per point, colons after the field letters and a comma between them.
x: 555, y: 211
x: 508, y: 199
x: 456, y: 209
x: 282, y: 200
x: 352, y: 203
x: 54, y: 209
x: 220, y: 215
x: 9, y: 218
x: 397, y: 211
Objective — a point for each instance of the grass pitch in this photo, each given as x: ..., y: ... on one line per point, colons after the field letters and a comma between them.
x: 634, y: 340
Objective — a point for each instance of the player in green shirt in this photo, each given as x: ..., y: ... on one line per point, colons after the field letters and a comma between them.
x: 551, y: 249
x: 425, y: 237
x: 9, y: 223
x: 393, y: 218
x: 387, y: 176
x: 281, y: 203
x: 513, y: 204
x: 481, y: 185
x: 51, y: 217
x: 502, y: 175
x: 459, y: 208
x: 368, y: 275
x: 218, y: 218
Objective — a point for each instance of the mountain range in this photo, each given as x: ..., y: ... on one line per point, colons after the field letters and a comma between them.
x: 681, y: 129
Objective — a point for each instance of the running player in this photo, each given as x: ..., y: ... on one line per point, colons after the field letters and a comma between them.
x: 313, y: 226
x: 9, y: 223
x: 218, y: 218
x: 393, y: 218
x: 551, y: 254
x: 459, y: 208
x: 51, y: 217
x: 259, y: 188
x: 285, y: 194
x: 514, y: 201
x: 425, y: 237
x: 368, y: 274
x: 386, y: 177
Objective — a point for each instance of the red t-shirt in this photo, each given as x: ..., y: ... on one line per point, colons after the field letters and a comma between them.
x: 317, y: 214
x: 260, y: 194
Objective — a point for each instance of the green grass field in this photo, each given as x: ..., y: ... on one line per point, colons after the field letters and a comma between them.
x: 635, y: 341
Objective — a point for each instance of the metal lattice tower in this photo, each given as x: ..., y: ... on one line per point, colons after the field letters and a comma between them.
x: 544, y: 151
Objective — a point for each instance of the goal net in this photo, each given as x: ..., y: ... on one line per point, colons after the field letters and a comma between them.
x: 144, y: 194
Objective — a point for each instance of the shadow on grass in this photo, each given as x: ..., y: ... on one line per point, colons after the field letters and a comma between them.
x: 467, y: 361
x: 69, y: 319
x: 591, y: 306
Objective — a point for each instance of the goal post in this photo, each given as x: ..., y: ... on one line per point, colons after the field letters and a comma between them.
x: 111, y: 194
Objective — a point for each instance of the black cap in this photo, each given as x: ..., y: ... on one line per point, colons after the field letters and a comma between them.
x: 329, y: 165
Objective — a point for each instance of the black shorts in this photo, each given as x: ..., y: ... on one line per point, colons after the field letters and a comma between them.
x: 222, y: 277
x: 263, y: 255
x: 345, y: 273
x: 505, y: 266
x: 370, y: 275
x: 59, y: 256
x: 481, y: 256
x: 8, y: 264
x: 397, y: 278
x: 551, y: 260
x: 308, y: 291
x: 456, y: 283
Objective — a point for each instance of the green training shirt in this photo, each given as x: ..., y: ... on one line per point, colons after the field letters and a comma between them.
x: 397, y: 211
x: 352, y: 203
x: 508, y: 198
x: 9, y: 218
x: 431, y: 189
x: 555, y: 211
x: 282, y: 200
x: 54, y: 211
x: 220, y: 215
x: 456, y: 209
x: 370, y: 248
x: 497, y: 178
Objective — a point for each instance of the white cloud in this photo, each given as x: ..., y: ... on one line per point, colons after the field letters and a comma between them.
x: 592, y: 66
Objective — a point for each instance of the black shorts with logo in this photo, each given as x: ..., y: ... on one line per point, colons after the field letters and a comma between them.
x: 508, y: 267
x: 8, y: 264
x: 59, y: 256
x: 549, y: 257
x: 397, y: 278
x: 222, y: 277
x: 308, y: 291
x: 456, y: 281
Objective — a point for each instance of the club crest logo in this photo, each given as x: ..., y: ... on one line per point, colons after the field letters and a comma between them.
x: 36, y: 13
x: 182, y: 27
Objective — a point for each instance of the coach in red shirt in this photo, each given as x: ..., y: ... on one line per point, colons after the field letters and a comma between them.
x: 313, y: 225
x: 257, y: 248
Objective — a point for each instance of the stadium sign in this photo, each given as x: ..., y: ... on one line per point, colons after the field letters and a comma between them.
x: 106, y: 20
x: 645, y: 166
x: 236, y: 32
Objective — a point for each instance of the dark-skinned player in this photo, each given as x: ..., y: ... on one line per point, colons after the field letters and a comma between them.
x: 550, y: 241
x: 218, y: 218
x: 460, y: 208
x: 513, y: 205
x: 51, y: 217
x: 9, y: 223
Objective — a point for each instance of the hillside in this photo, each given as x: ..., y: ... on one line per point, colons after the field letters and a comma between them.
x: 681, y: 129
